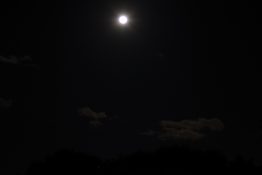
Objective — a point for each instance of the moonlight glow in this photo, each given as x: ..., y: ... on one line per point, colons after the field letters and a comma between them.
x: 123, y: 20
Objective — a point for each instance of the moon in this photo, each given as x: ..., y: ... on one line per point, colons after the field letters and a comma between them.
x: 123, y: 19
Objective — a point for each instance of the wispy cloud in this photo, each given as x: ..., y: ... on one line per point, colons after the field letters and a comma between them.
x: 186, y: 129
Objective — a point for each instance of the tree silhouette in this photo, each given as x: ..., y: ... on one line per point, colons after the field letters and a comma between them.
x: 166, y: 160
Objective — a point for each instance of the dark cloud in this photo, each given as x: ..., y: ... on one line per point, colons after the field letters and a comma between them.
x: 94, y: 118
x: 186, y: 129
x: 5, y: 103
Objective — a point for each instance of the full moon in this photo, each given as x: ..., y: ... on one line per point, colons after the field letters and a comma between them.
x: 123, y: 20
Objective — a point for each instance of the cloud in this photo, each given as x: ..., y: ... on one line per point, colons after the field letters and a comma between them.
x: 5, y: 103
x: 11, y: 60
x: 192, y: 130
x: 89, y: 113
x: 94, y: 118
x: 180, y: 135
x: 212, y: 124
x: 195, y: 125
x: 25, y: 60
x: 95, y: 123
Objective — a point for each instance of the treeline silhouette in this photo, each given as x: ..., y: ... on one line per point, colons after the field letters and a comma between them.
x: 171, y: 160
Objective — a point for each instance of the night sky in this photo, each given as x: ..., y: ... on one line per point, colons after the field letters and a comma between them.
x: 73, y: 78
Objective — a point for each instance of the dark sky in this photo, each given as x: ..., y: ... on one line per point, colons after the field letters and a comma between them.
x: 177, y: 60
